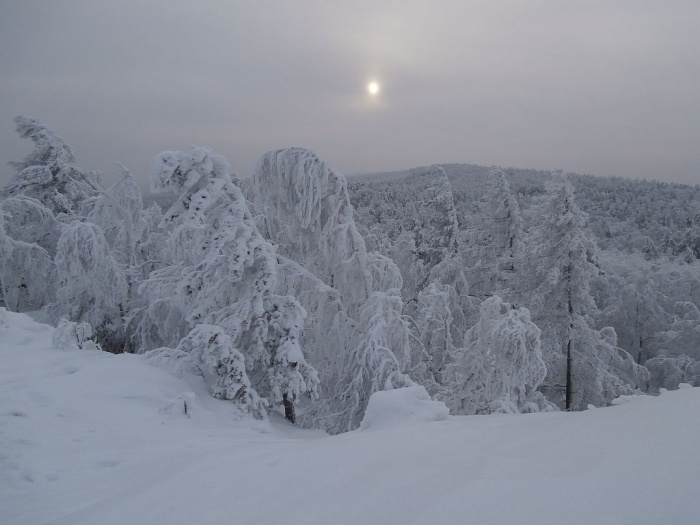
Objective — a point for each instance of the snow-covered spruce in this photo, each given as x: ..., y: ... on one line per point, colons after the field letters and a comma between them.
x: 218, y: 270
x: 48, y: 173
x: 582, y: 366
x: 209, y: 352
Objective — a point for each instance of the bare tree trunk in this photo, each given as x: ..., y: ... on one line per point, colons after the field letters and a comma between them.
x: 569, y: 386
x: 568, y: 376
x: 288, y: 409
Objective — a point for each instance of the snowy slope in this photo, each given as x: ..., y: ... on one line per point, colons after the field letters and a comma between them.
x: 92, y: 438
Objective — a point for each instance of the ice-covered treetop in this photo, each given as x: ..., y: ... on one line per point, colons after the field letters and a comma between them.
x: 175, y: 171
x: 49, y: 149
x: 313, y: 220
x: 200, y: 176
x: 301, y: 185
x: 564, y: 210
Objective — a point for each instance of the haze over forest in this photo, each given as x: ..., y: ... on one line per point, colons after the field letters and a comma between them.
x: 606, y: 88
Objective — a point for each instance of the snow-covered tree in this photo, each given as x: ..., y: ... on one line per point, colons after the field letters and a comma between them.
x: 356, y: 337
x: 48, y: 173
x: 73, y: 336
x: 27, y: 272
x: 669, y: 372
x: 579, y: 364
x: 625, y: 373
x: 500, y: 367
x: 435, y: 325
x: 495, y: 250
x: 438, y: 233
x: 151, y: 251
x: 632, y: 302
x: 220, y: 271
x: 91, y: 285
x: 327, y: 334
x: 209, y: 352
x: 311, y: 219
x: 27, y: 220
x: 404, y: 253
x: 373, y: 364
x: 118, y: 212
x: 682, y: 335
x: 689, y: 243
x: 283, y: 372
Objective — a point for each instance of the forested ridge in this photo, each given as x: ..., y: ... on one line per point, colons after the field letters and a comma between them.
x: 497, y: 290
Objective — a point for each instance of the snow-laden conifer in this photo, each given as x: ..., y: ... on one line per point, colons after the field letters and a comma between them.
x: 209, y: 352
x: 48, y: 173
x: 218, y: 270
x: 582, y: 368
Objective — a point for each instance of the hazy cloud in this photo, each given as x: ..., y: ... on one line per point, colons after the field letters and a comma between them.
x: 592, y: 86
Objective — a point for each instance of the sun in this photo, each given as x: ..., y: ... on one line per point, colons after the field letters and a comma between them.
x: 373, y: 88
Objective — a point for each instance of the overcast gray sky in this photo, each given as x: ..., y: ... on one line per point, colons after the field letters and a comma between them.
x: 608, y: 87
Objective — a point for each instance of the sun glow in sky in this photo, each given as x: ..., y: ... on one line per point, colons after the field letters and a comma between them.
x: 490, y: 83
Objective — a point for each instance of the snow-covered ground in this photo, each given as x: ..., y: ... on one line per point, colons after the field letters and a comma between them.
x: 88, y: 437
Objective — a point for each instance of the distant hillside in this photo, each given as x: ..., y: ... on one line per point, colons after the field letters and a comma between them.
x: 645, y: 273
x: 629, y: 214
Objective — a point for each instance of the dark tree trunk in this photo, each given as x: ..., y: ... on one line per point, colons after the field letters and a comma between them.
x: 569, y: 388
x: 288, y: 409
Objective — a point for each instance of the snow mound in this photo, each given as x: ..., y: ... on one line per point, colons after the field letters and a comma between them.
x: 22, y: 330
x: 403, y: 406
x: 629, y: 398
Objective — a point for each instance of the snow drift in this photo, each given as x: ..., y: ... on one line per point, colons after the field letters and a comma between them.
x: 89, y: 437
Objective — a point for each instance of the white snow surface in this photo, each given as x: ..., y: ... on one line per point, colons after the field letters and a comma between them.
x: 402, y: 407
x: 88, y: 437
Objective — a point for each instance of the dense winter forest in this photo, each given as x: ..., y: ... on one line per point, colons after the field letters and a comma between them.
x: 498, y: 290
